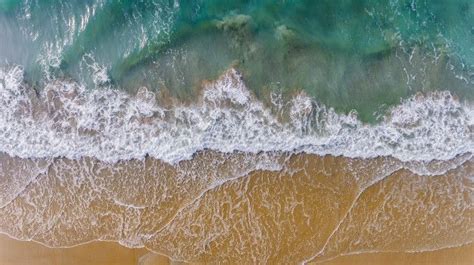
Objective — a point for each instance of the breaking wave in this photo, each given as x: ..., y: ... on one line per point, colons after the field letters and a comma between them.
x: 65, y: 119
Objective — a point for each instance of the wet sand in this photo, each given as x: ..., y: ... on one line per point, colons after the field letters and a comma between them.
x: 238, y: 209
x: 14, y: 252
x: 452, y: 256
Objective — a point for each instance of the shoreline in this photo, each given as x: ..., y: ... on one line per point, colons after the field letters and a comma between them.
x: 245, y: 132
x: 13, y: 251
x: 309, y: 204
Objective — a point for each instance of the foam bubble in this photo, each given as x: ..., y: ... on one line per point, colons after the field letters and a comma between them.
x: 68, y: 120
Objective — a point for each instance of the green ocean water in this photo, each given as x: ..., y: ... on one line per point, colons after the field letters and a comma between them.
x: 365, y: 55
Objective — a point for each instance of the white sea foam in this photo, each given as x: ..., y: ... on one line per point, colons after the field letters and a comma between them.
x: 68, y: 120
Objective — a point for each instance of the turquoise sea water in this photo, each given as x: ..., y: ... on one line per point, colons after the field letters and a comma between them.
x: 364, y: 55
x: 225, y: 131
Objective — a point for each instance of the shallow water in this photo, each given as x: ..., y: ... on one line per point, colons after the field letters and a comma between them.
x: 361, y: 55
x: 238, y: 132
x: 227, y: 208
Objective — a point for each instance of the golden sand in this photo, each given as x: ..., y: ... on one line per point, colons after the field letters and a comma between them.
x: 452, y: 256
x: 13, y: 252
x: 220, y: 208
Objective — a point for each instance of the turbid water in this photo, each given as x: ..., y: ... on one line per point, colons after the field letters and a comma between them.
x: 238, y: 132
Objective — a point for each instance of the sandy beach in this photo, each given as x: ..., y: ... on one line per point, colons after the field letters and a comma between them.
x: 316, y: 209
x: 236, y: 132
x: 14, y: 252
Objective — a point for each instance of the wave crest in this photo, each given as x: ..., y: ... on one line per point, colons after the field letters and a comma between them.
x: 66, y: 119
